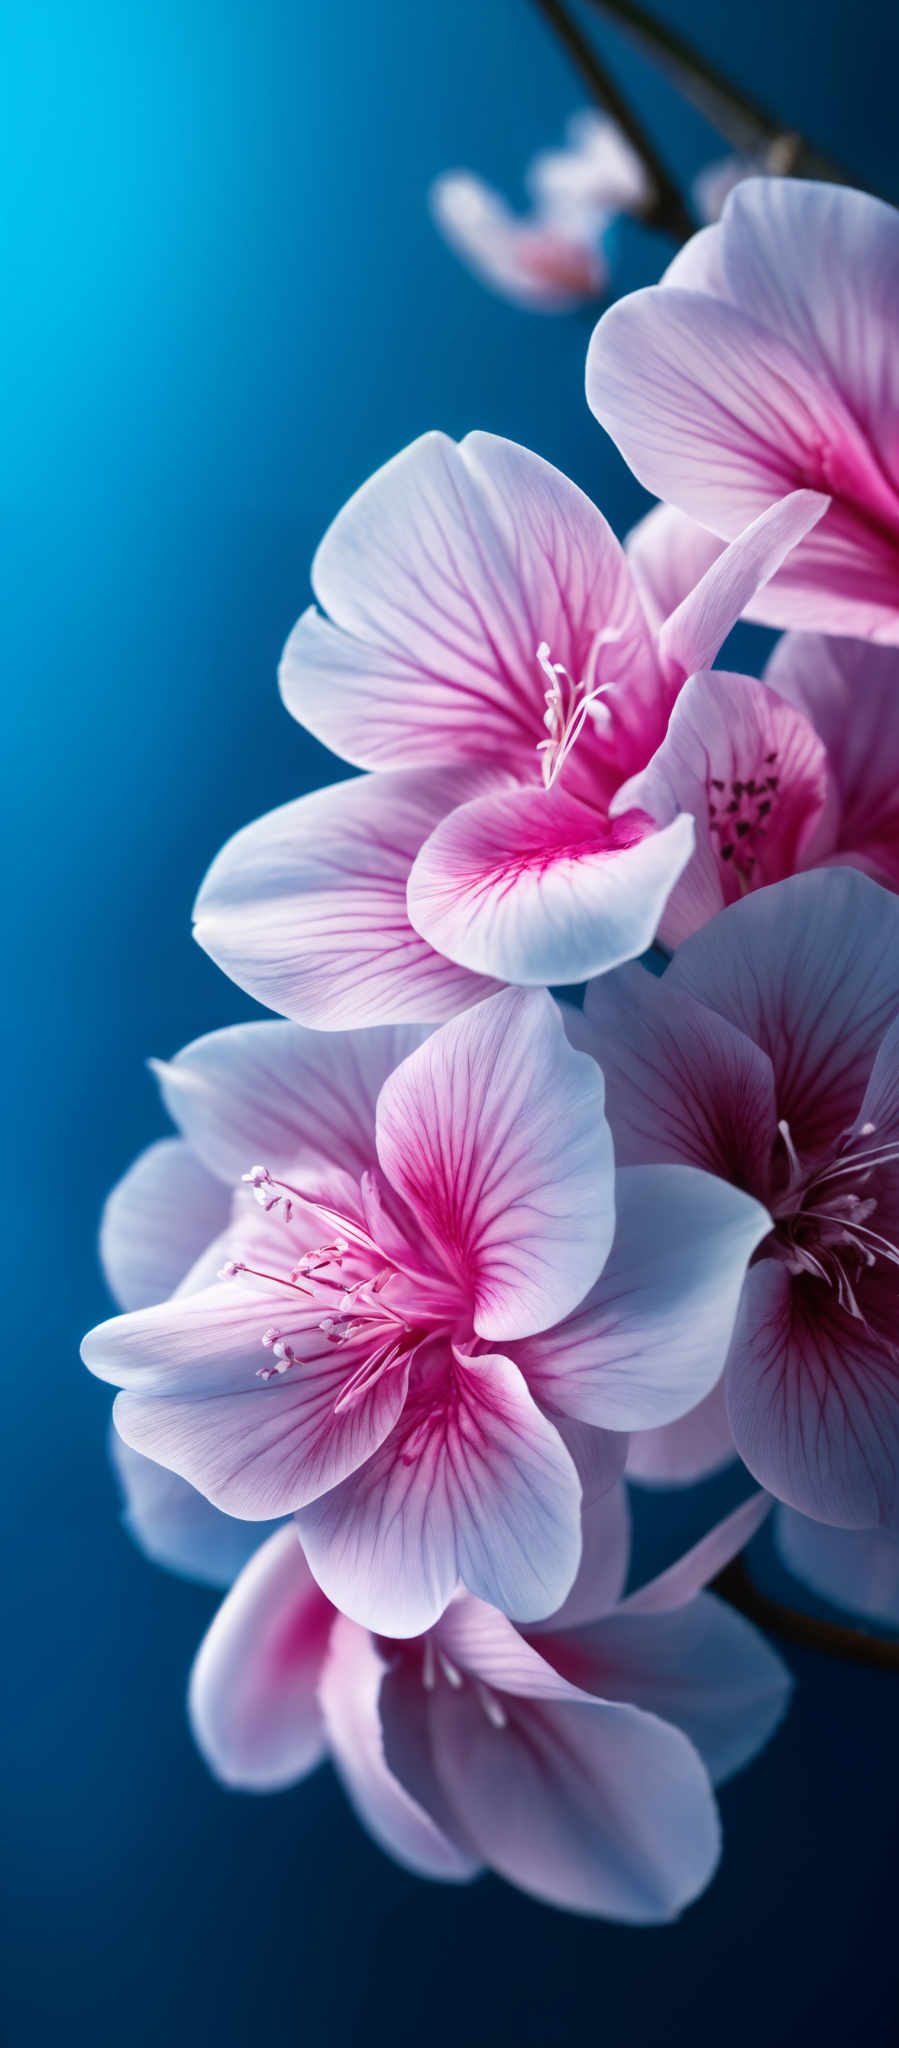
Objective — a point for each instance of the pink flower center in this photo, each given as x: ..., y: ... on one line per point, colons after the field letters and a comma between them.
x: 738, y: 819
x: 823, y: 1216
x: 351, y: 1288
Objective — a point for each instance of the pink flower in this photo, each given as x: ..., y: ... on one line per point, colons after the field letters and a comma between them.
x: 547, y: 264
x: 766, y: 360
x: 768, y: 1053
x: 488, y: 654
x: 425, y: 1321
x: 576, y: 1762
x: 550, y: 258
x: 853, y: 1568
x: 800, y: 770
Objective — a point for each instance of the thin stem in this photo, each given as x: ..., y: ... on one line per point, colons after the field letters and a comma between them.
x: 745, y: 123
x: 854, y: 1645
x: 668, y: 212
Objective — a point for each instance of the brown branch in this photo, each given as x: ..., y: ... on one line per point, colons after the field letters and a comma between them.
x: 854, y: 1645
x: 749, y: 127
x: 668, y: 211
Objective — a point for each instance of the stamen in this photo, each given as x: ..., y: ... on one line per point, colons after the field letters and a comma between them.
x: 568, y: 705
x: 493, y: 1708
x: 449, y: 1670
x: 428, y: 1670
x: 792, y: 1154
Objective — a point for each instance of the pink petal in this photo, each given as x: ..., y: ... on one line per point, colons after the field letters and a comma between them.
x: 525, y: 258
x: 543, y: 888
x: 691, y: 1448
x: 605, y: 1553
x: 253, y: 1695
x: 158, y: 1219
x: 701, y: 1667
x: 593, y: 1807
x: 702, y: 1562
x: 652, y: 1336
x: 443, y: 575
x: 474, y: 1484
x: 175, y: 1526
x: 306, y: 908
x: 850, y: 692
x: 853, y: 1568
x: 754, y: 775
x: 668, y: 555
x: 196, y: 1404
x: 302, y: 1101
x: 684, y: 1085
x: 809, y: 971
x: 819, y: 265
x: 494, y: 1133
x: 813, y: 1398
x: 350, y: 1695
x: 697, y: 629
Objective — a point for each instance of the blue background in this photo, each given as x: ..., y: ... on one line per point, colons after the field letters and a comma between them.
x: 225, y: 306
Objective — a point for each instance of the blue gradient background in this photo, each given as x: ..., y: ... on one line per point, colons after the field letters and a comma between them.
x: 224, y: 306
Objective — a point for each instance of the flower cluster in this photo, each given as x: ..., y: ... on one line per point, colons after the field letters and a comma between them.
x: 439, y: 1261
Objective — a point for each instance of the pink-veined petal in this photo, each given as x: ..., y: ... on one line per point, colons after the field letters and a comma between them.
x: 849, y: 690
x: 306, y: 908
x: 683, y: 1083
x: 543, y: 887
x: 474, y: 1485
x: 156, y: 1222
x: 809, y: 970
x: 697, y: 629
x: 302, y: 1101
x: 652, y: 1336
x: 253, y: 1696
x: 351, y: 1690
x: 813, y: 1398
x: 196, y: 1404
x: 494, y: 1133
x: 444, y: 575
x: 602, y: 1572
x: 669, y: 554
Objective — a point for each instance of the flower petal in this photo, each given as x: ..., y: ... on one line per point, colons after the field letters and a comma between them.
x: 605, y: 1552
x: 698, y: 1444
x: 813, y: 1398
x: 474, y: 1484
x: 158, y: 1219
x: 809, y: 970
x: 494, y: 1133
x: 683, y: 1084
x: 701, y: 1667
x: 682, y: 1581
x: 526, y: 258
x: 754, y: 775
x: 196, y: 1403
x: 306, y: 908
x: 652, y: 1336
x: 696, y: 630
x: 542, y: 887
x: 669, y: 554
x: 598, y: 1808
x: 253, y: 1696
x: 444, y: 574
x: 853, y: 1568
x: 351, y: 1692
x: 175, y: 1526
x: 299, y: 1100
x: 849, y: 690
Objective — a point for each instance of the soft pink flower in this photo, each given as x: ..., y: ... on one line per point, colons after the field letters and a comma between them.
x: 797, y: 771
x: 853, y: 1568
x: 545, y: 263
x: 488, y: 653
x: 769, y: 1053
x: 576, y: 1762
x: 765, y: 361
x: 425, y: 1320
x: 550, y: 258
